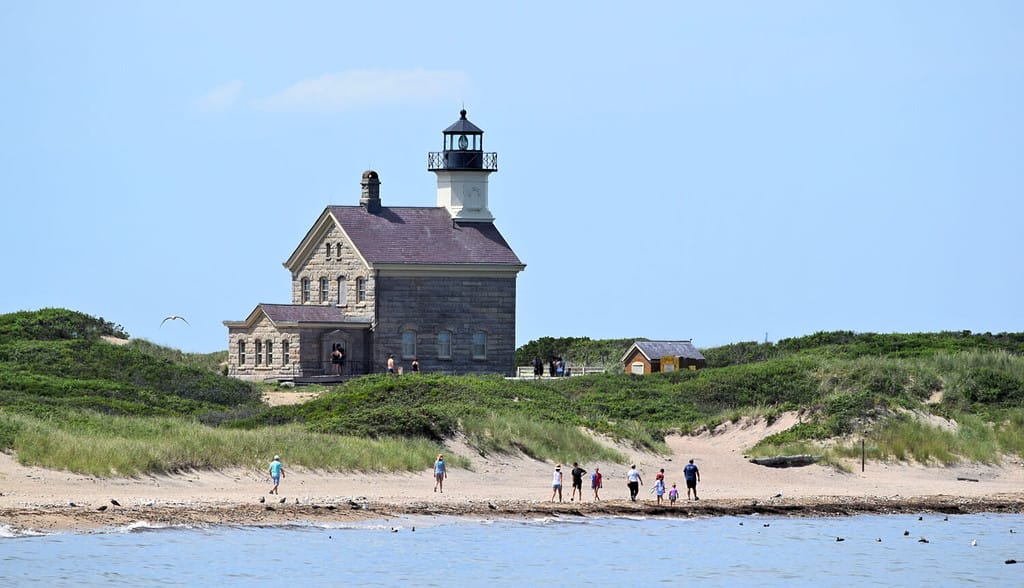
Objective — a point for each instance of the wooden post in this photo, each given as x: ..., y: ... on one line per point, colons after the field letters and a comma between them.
x: 862, y: 454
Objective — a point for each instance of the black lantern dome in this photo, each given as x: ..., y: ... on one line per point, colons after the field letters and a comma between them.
x: 463, y: 149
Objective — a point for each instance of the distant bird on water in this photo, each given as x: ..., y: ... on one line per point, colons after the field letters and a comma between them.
x: 102, y: 508
x: 174, y: 317
x: 114, y: 502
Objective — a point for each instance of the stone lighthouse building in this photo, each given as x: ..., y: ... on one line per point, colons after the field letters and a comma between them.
x: 436, y: 284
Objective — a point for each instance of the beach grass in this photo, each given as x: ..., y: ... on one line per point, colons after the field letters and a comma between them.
x: 544, y: 440
x: 104, y: 445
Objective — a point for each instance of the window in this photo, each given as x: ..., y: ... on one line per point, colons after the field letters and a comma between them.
x: 241, y: 353
x: 444, y: 345
x: 270, y: 352
x: 342, y: 294
x: 259, y: 352
x: 305, y: 289
x: 337, y: 249
x: 360, y: 289
x: 286, y: 357
x: 408, y: 344
x: 479, y: 345
x: 324, y: 291
x: 328, y: 251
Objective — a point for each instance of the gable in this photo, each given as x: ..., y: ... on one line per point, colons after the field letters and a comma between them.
x: 324, y: 227
x: 655, y: 350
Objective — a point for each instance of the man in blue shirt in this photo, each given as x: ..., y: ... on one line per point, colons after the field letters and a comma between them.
x: 692, y: 475
x: 276, y: 473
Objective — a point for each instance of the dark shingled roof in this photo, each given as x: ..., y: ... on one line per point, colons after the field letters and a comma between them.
x: 659, y: 349
x: 420, y: 235
x: 302, y: 313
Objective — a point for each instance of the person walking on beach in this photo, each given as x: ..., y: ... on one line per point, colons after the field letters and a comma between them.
x: 659, y: 485
x: 595, y: 482
x: 556, y: 483
x: 673, y: 495
x: 276, y: 473
x: 440, y: 473
x: 577, y: 481
x: 634, y: 481
x: 692, y: 475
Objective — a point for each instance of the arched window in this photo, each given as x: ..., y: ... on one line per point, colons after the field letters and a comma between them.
x: 241, y: 353
x: 479, y: 345
x: 444, y: 345
x: 360, y: 289
x: 342, y: 291
x: 324, y: 290
x: 286, y: 357
x: 408, y: 344
x: 337, y: 249
x: 328, y: 251
x: 305, y: 290
x: 270, y: 352
x: 259, y: 352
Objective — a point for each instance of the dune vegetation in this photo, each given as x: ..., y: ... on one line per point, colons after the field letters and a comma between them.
x: 70, y: 399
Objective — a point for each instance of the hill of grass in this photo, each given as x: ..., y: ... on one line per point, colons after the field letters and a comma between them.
x: 59, y: 379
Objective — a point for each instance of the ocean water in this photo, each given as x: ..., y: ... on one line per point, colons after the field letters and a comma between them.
x: 560, y: 551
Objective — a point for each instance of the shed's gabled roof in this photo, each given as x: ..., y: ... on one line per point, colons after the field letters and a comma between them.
x: 422, y: 235
x: 658, y: 349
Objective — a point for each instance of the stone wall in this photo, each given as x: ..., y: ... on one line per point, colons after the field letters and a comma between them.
x: 263, y: 330
x: 459, y: 305
x: 344, y: 263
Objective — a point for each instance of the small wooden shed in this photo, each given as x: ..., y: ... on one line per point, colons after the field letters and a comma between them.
x: 646, y: 357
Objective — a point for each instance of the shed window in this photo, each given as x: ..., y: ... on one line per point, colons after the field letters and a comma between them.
x: 637, y: 367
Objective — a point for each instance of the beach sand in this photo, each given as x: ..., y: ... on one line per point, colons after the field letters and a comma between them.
x: 33, y: 498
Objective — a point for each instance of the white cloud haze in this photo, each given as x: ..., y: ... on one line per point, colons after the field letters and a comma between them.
x: 220, y: 98
x: 353, y: 89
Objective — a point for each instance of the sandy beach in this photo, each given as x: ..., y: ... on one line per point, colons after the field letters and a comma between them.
x: 505, y: 486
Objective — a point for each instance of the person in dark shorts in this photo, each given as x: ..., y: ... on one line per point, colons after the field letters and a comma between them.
x: 692, y: 475
x: 577, y: 481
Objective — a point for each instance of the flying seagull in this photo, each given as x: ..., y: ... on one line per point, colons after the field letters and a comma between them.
x: 174, y: 317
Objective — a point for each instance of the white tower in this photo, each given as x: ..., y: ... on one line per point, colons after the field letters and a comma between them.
x: 462, y: 170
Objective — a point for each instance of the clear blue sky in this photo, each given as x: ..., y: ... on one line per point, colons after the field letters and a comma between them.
x: 670, y: 170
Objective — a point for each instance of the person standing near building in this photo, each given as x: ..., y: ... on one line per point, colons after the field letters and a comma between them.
x: 338, y: 358
x: 556, y: 483
x: 276, y: 473
x: 577, y: 481
x: 415, y: 365
x: 440, y: 473
x: 634, y: 481
x: 692, y: 475
x: 391, y: 364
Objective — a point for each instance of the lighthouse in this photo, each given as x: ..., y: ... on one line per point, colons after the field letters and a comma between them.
x: 462, y: 169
